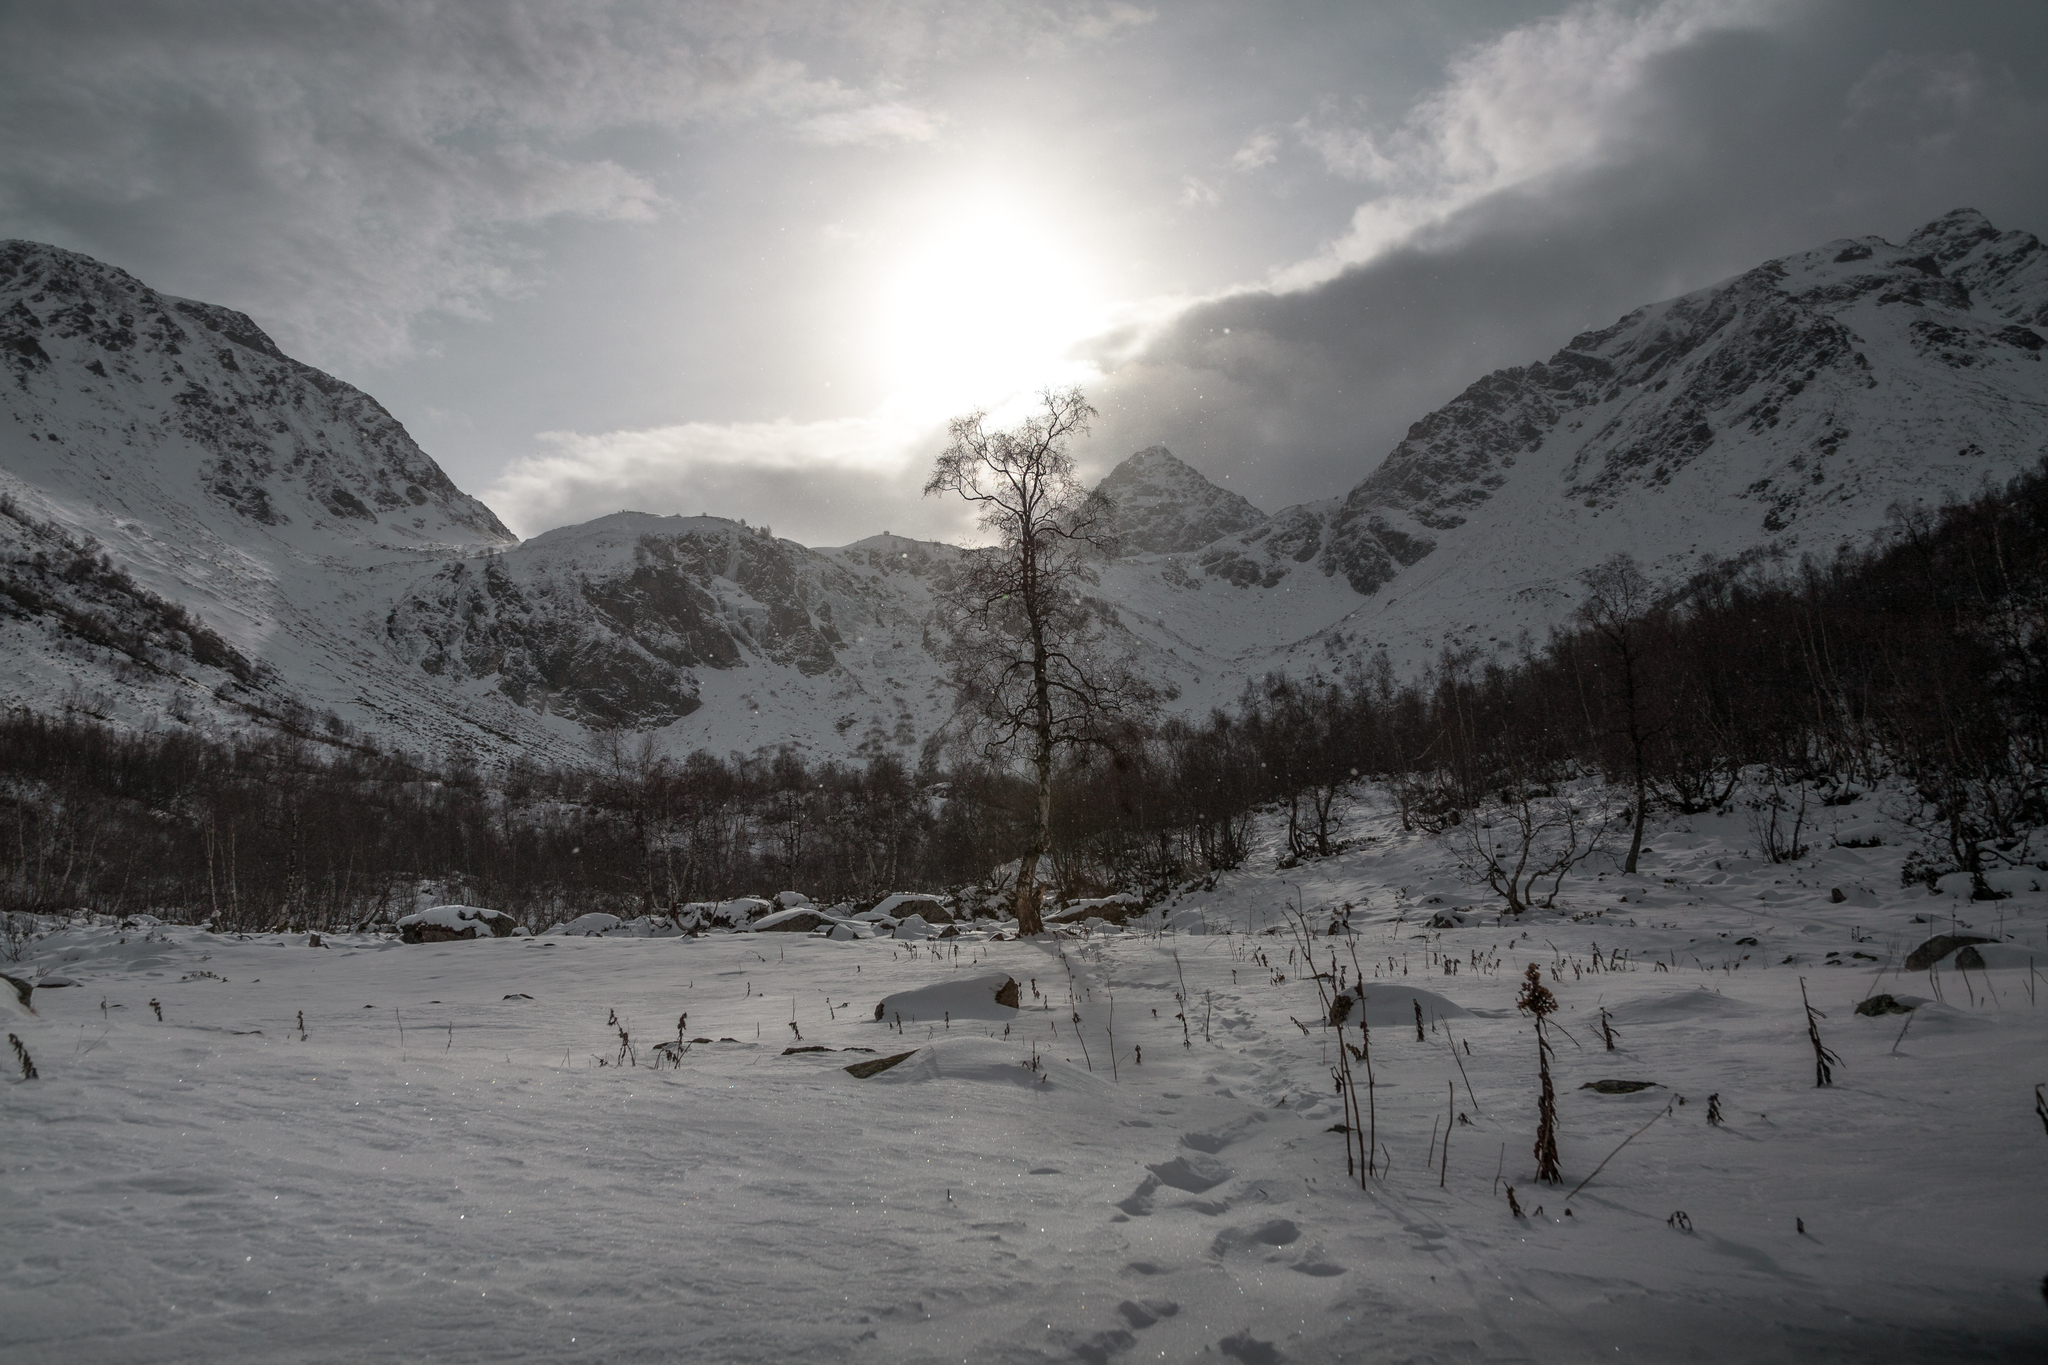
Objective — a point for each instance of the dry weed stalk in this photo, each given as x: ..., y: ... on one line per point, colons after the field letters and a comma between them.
x: 1825, y: 1060
x: 1537, y: 1000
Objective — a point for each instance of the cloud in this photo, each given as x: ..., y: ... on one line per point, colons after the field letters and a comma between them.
x: 1562, y: 175
x: 1557, y: 95
x: 1195, y: 193
x: 342, y: 171
x: 870, y: 126
x: 1260, y: 150
x: 809, y: 480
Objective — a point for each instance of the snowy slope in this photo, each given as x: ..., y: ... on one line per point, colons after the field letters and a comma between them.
x: 1779, y: 413
x: 700, y: 629
x: 273, y: 501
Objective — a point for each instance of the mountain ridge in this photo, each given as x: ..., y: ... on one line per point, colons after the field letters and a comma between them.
x: 1774, y: 413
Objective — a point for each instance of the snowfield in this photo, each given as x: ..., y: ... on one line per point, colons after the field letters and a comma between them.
x: 460, y: 1157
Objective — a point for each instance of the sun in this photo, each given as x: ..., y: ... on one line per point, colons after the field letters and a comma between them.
x: 985, y: 303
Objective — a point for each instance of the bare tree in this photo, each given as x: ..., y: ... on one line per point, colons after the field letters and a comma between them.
x: 1026, y: 655
x: 1523, y: 842
x: 1617, y: 599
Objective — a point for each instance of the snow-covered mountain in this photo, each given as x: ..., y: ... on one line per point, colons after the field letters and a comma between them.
x: 197, y: 525
x: 710, y: 630
x: 172, y: 442
x: 1161, y: 505
x: 1778, y: 413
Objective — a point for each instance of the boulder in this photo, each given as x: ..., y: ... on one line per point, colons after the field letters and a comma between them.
x: 1937, y: 948
x: 1618, y: 1087
x: 913, y: 926
x: 444, y: 923
x: 1968, y: 957
x: 1882, y: 1004
x: 863, y: 1070
x: 903, y: 904
x: 798, y: 921
x: 1117, y: 909
x: 588, y: 926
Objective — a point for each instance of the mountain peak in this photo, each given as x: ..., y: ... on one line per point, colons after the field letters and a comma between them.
x: 1165, y: 506
x: 1953, y: 235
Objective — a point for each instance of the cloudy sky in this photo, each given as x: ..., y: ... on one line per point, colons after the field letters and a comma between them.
x: 746, y: 258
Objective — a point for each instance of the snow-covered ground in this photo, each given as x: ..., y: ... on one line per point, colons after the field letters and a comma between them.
x: 439, y: 1168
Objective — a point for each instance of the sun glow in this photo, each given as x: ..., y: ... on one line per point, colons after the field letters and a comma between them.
x: 984, y: 305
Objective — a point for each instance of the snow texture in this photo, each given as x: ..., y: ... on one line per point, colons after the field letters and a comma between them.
x: 453, y: 1161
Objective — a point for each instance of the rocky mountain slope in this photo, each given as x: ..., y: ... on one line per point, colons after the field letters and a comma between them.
x: 1775, y: 414
x: 1161, y: 505
x: 198, y: 526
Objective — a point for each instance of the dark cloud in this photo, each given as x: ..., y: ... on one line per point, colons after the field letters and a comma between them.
x: 1746, y: 143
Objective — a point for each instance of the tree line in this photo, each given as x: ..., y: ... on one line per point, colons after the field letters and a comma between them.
x: 1919, y: 658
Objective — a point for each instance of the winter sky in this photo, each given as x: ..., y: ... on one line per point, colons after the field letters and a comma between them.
x: 746, y: 258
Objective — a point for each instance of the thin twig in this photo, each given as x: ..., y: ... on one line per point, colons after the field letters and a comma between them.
x: 1611, y: 1155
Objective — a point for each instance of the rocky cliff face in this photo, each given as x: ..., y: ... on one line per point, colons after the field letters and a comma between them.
x: 611, y: 623
x: 1163, y: 506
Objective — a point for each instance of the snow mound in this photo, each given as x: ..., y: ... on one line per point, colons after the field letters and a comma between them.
x: 1388, y: 1006
x: 1002, y: 1061
x: 1999, y: 955
x: 588, y: 926
x: 991, y: 995
x: 1698, y: 1003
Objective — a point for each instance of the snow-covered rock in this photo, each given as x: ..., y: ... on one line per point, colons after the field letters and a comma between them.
x: 445, y: 922
x: 991, y: 995
x: 594, y: 925
x: 1115, y: 909
x: 801, y: 920
x: 902, y: 904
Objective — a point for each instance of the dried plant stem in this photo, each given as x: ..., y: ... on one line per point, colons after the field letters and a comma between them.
x: 1617, y: 1151
x: 1537, y: 1000
x: 1824, y: 1059
x: 1461, y: 1067
x: 1450, y: 1122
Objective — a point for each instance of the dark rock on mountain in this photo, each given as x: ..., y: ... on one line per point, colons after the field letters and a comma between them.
x: 1161, y: 505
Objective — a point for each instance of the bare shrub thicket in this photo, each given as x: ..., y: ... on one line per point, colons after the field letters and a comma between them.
x: 1523, y: 843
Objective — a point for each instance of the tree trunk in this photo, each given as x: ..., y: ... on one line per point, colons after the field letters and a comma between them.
x: 1028, y: 919
x: 1635, y: 843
